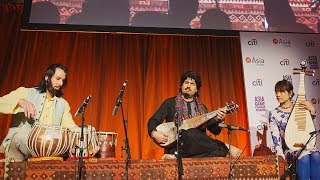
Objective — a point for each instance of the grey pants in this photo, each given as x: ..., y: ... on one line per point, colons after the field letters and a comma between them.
x: 18, y: 150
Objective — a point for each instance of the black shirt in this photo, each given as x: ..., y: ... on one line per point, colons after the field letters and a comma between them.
x: 167, y: 111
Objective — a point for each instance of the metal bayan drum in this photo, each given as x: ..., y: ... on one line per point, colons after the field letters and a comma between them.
x: 107, y: 144
x: 46, y: 140
x: 90, y: 141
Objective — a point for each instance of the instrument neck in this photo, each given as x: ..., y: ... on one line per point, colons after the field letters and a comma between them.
x: 301, y: 84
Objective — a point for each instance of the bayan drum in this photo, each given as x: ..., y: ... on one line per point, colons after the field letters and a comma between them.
x: 46, y: 140
x: 107, y: 144
x: 90, y: 141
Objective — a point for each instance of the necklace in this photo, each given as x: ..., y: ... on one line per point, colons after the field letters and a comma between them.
x: 286, y: 107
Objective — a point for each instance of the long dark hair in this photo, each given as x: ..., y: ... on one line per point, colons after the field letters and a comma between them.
x: 192, y: 75
x: 284, y: 85
x: 43, y: 85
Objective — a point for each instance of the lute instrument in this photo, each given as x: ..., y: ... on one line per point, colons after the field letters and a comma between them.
x: 300, y: 122
x: 170, y: 128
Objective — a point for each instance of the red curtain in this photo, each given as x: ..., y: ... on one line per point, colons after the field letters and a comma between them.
x: 99, y: 63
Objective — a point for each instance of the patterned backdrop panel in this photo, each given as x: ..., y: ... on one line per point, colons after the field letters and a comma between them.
x: 251, y: 167
x: 244, y: 14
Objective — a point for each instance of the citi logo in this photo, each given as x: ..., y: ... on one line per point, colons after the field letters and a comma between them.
x: 253, y: 42
x: 258, y: 61
x: 310, y: 43
x: 315, y: 101
x: 262, y: 126
x: 285, y: 62
x: 316, y: 82
x: 257, y: 82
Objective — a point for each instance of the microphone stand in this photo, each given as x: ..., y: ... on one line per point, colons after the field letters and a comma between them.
x: 179, y: 148
x: 81, y: 162
x: 127, y: 148
x: 230, y: 158
x: 291, y: 170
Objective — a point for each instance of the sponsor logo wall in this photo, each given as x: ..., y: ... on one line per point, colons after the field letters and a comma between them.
x: 268, y: 58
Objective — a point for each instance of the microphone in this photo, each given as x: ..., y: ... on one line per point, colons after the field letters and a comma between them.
x: 82, y: 107
x: 223, y: 125
x: 119, y: 99
x: 314, y: 132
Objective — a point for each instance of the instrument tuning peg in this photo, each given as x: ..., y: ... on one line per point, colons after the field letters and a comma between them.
x: 311, y: 71
x: 297, y: 69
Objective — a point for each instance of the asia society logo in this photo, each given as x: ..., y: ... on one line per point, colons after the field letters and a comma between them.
x: 254, y: 60
x: 315, y: 101
x: 260, y: 104
x: 257, y: 82
x: 253, y: 42
x: 316, y: 82
x: 310, y: 43
x: 275, y: 41
x: 313, y: 62
x: 284, y: 42
x: 285, y: 62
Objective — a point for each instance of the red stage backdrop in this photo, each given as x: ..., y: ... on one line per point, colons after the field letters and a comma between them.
x: 99, y: 63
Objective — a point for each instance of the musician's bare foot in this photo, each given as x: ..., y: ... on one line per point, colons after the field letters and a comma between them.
x: 168, y: 156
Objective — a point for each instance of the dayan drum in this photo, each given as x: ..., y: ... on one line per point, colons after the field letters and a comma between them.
x: 48, y: 140
x: 107, y: 144
x: 90, y: 141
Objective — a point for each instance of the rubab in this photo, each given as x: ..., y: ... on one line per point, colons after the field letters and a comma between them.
x: 170, y: 128
x: 300, y: 122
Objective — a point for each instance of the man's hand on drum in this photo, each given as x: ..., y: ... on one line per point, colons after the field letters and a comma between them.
x: 29, y: 109
x: 159, y: 137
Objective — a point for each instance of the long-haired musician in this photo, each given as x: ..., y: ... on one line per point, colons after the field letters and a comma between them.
x: 42, y: 103
x: 308, y: 163
x: 185, y: 105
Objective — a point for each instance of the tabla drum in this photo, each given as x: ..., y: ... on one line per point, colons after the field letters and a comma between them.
x: 90, y: 141
x: 46, y: 140
x: 107, y: 144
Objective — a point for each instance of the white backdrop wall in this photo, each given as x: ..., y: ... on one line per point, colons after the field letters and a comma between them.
x: 268, y: 58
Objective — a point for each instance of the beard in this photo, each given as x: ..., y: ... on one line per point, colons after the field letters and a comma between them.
x: 186, y: 95
x: 52, y: 90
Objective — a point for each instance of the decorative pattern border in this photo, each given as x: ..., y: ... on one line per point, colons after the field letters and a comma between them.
x: 250, y: 167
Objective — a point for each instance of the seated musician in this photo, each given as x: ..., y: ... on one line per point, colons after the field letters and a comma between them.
x: 308, y: 163
x: 196, y: 143
x: 42, y: 103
